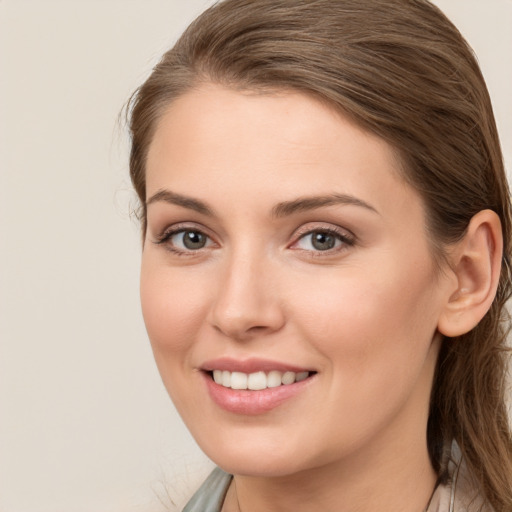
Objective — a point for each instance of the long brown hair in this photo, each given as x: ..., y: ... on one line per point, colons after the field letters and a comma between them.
x: 400, y: 69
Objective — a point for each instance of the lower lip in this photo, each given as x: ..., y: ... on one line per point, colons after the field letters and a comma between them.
x: 244, y: 401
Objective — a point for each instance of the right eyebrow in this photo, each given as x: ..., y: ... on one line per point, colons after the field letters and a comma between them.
x: 313, y: 202
x: 184, y: 201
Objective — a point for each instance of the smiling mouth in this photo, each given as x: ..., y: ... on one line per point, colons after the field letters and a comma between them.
x: 258, y: 380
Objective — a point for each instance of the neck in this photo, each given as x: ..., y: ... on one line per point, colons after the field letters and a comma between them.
x: 401, y: 483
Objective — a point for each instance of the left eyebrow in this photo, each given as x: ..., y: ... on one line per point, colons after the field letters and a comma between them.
x: 184, y: 201
x: 311, y: 203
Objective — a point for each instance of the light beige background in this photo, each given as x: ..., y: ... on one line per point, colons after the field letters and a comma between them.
x: 85, y: 424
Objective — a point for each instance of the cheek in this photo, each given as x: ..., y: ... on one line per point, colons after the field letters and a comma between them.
x: 375, y: 337
x: 370, y: 325
x: 172, y: 308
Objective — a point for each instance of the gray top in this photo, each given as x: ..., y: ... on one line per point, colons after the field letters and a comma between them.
x: 460, y: 494
x: 210, y: 496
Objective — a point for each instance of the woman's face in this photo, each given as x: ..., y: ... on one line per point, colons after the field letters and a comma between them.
x: 282, y: 244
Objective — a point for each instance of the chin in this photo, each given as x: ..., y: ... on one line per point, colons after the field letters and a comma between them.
x: 260, y: 465
x: 257, y: 454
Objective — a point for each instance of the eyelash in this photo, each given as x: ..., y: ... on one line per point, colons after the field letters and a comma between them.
x: 346, y: 239
x: 165, y: 237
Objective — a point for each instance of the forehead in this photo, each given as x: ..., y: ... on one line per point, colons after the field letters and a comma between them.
x: 244, y: 142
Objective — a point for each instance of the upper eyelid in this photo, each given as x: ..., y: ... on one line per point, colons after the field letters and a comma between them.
x: 311, y: 227
x: 183, y: 226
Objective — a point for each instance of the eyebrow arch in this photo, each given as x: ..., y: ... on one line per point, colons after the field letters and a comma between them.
x: 310, y: 203
x: 186, y: 202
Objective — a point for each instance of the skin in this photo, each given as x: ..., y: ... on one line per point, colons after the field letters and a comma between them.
x: 364, y: 315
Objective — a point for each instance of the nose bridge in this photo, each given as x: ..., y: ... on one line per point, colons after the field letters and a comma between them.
x: 246, y: 302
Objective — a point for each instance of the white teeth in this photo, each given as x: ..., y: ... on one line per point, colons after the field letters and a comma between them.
x: 288, y: 378
x: 217, y: 376
x: 226, y: 379
x: 238, y: 380
x: 274, y: 379
x: 257, y: 380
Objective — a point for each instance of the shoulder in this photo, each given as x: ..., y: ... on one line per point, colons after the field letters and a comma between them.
x: 460, y: 493
x: 210, y: 496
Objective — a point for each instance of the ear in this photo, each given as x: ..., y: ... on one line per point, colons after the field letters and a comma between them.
x: 476, y: 263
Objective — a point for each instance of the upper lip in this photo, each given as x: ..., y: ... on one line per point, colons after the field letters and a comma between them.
x: 250, y: 365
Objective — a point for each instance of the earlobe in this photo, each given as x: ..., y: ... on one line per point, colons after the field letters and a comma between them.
x: 476, y: 263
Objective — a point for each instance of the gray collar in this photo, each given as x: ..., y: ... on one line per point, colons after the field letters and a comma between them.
x: 459, y: 494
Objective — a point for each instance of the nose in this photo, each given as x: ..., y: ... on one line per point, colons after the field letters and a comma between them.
x: 247, y: 302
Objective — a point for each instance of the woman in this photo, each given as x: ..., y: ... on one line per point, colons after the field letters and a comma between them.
x: 325, y: 263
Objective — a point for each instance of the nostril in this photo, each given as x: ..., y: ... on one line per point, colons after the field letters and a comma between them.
x: 258, y: 328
